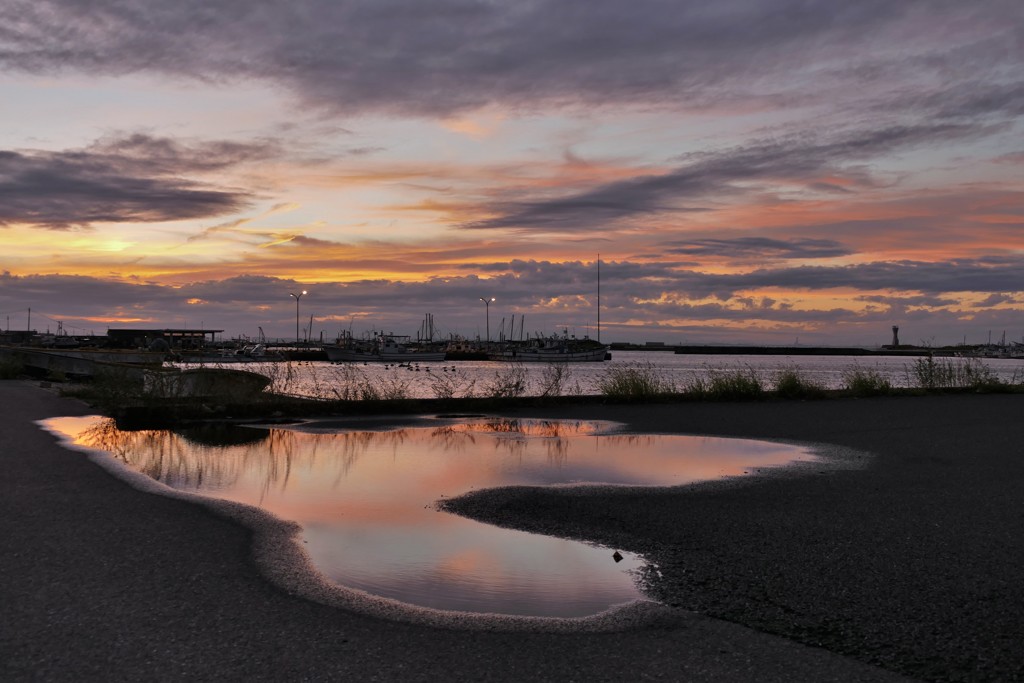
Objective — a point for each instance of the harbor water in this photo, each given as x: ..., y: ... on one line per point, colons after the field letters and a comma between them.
x: 324, y: 380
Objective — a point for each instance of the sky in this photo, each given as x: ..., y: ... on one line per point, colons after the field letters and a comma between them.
x: 743, y: 171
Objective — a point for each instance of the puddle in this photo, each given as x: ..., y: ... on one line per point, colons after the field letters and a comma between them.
x: 364, y: 494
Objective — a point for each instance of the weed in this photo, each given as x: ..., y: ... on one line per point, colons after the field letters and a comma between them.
x: 866, y: 382
x: 10, y: 368
x: 450, y: 384
x: 553, y: 379
x: 634, y: 382
x: 948, y: 373
x: 724, y: 384
x: 792, y: 383
x: 508, y: 382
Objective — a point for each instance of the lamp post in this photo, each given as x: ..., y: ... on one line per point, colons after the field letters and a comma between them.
x: 487, y: 303
x: 297, y: 297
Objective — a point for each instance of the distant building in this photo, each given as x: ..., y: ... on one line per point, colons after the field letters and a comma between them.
x: 175, y: 338
x: 16, y: 337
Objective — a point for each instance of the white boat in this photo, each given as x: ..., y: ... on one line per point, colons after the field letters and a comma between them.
x: 552, y: 350
x: 383, y: 348
x: 251, y: 353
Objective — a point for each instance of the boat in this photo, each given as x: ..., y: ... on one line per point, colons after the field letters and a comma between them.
x: 380, y: 348
x: 250, y: 353
x: 553, y: 349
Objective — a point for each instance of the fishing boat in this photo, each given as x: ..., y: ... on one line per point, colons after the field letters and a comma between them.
x: 250, y: 353
x: 380, y: 348
x: 553, y: 349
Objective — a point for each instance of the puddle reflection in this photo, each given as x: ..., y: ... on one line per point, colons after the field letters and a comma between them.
x: 365, y: 497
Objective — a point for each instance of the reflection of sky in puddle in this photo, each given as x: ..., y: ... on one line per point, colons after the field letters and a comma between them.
x: 365, y: 498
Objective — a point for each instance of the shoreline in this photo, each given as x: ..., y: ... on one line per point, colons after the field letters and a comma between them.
x: 736, y: 552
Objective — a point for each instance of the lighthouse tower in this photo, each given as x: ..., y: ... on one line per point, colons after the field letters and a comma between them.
x: 895, y: 336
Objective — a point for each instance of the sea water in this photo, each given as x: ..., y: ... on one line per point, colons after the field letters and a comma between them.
x: 326, y: 380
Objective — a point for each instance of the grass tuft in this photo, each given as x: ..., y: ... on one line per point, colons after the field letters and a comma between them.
x: 954, y: 373
x: 793, y: 384
x: 728, y: 384
x: 634, y: 382
x: 864, y: 382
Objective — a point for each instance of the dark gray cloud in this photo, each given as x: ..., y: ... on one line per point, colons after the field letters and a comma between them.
x: 965, y: 275
x: 904, y: 302
x: 131, y: 179
x: 998, y: 298
x: 746, y: 248
x: 405, y: 56
x: 797, y: 158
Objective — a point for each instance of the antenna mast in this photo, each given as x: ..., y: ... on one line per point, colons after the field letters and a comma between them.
x: 599, y: 298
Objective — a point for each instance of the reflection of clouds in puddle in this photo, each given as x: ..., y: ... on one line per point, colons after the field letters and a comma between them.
x: 468, y: 561
x: 365, y: 498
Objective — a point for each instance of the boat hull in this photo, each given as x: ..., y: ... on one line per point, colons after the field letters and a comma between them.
x: 595, y: 355
x: 337, y: 354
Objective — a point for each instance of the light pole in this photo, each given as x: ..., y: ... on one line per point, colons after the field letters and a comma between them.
x: 487, y: 303
x: 297, y: 297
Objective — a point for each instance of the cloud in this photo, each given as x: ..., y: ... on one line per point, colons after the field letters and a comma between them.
x: 636, y: 298
x: 958, y: 275
x: 760, y: 247
x: 404, y: 57
x: 130, y: 179
x: 796, y: 158
x: 998, y: 298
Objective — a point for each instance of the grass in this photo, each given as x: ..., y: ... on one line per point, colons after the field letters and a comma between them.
x: 301, y: 388
x: 10, y: 368
x: 635, y: 382
x: 728, y: 384
x: 864, y: 382
x: 791, y: 383
x: 930, y: 373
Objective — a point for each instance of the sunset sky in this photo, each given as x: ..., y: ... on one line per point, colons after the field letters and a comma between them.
x: 750, y: 171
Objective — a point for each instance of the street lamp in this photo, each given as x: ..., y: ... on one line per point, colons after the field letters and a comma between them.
x: 487, y: 303
x: 297, y: 297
